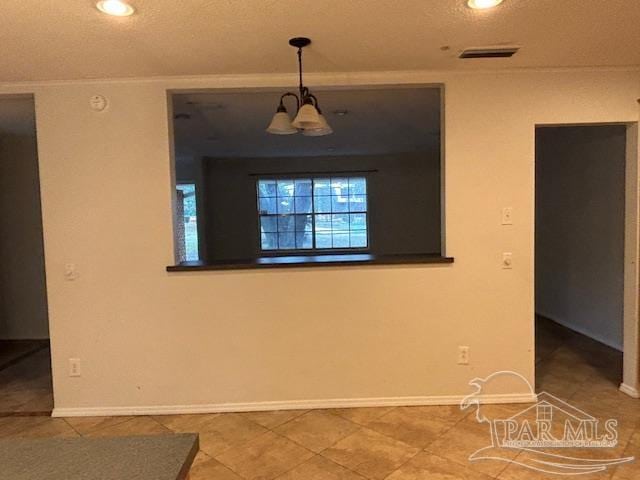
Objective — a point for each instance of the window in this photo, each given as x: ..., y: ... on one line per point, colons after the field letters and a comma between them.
x: 188, y: 230
x: 313, y: 213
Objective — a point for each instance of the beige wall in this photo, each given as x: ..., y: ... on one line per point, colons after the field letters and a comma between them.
x: 23, y: 300
x: 148, y: 338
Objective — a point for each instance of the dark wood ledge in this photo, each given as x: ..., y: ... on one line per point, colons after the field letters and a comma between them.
x: 343, y: 259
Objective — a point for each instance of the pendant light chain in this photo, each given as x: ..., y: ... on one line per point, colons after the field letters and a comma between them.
x: 300, y: 76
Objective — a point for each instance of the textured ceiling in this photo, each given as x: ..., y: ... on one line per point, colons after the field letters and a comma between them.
x: 17, y: 116
x: 377, y: 121
x: 70, y: 39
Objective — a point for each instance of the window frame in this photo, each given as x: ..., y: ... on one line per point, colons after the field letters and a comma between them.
x: 312, y: 251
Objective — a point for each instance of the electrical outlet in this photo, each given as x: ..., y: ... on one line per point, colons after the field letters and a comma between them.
x: 463, y: 355
x: 74, y: 367
x: 70, y: 272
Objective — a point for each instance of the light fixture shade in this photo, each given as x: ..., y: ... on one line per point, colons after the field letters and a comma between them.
x: 307, y: 117
x: 483, y: 4
x: 281, y: 125
x: 325, y: 129
x: 118, y: 8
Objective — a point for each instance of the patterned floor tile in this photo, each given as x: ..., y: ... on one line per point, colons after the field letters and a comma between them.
x: 317, y: 430
x: 265, y: 457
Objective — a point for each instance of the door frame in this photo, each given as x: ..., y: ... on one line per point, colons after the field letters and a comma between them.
x: 630, y: 333
x: 631, y: 290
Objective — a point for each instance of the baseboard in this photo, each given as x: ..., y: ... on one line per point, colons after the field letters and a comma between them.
x: 632, y: 392
x: 289, y: 405
x: 581, y: 331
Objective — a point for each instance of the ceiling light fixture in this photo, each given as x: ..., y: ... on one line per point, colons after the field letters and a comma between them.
x: 117, y: 8
x: 309, y: 119
x: 483, y: 4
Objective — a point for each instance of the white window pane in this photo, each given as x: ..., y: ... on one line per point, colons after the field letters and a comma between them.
x: 358, y: 221
x: 286, y: 241
x: 269, y: 241
x: 358, y: 203
x: 357, y: 186
x: 267, y: 188
x: 323, y: 223
x: 323, y: 240
x: 269, y: 224
x: 303, y: 223
x: 341, y: 240
x: 358, y: 239
x: 303, y: 204
x: 268, y: 206
x: 285, y: 188
x: 339, y: 203
x: 304, y: 240
x: 322, y: 204
x: 322, y: 186
x: 339, y: 186
x: 303, y: 188
x: 285, y: 205
x: 340, y: 222
x: 286, y: 223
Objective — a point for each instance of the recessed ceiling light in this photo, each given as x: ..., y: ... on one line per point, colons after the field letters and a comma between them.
x: 118, y: 8
x: 483, y: 4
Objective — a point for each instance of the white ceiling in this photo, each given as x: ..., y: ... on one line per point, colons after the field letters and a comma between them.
x: 378, y: 121
x: 70, y: 39
x: 17, y: 116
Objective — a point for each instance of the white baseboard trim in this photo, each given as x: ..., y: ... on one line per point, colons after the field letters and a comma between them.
x: 289, y: 405
x: 582, y: 331
x: 632, y: 392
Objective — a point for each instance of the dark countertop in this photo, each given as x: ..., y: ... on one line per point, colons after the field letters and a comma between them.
x: 159, y: 457
x: 313, y: 261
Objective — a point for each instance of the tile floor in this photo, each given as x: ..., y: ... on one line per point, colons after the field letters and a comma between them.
x: 25, y: 381
x: 12, y: 351
x: 401, y: 443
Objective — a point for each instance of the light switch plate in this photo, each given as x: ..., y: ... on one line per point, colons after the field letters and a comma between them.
x: 74, y: 367
x: 507, y: 216
x: 70, y: 272
x: 463, y: 355
x: 507, y: 260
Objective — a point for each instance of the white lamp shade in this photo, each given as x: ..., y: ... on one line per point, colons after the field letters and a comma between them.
x: 307, y: 117
x: 281, y: 125
x: 324, y: 129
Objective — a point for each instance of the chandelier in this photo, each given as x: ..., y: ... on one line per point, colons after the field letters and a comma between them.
x: 309, y: 119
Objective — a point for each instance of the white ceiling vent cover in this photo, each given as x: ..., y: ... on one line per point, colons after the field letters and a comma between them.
x: 491, y: 52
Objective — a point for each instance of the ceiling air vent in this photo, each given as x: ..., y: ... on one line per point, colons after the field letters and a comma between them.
x: 499, y: 52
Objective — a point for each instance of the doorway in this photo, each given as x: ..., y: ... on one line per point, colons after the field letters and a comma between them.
x: 585, y: 224
x: 25, y: 358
